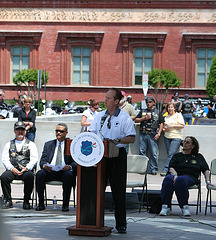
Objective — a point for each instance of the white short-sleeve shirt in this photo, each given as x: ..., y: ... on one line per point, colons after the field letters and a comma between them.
x: 121, y: 126
x: 90, y: 115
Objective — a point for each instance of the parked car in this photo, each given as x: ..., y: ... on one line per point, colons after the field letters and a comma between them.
x: 78, y: 109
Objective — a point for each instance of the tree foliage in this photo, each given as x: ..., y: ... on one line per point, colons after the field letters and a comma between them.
x: 160, y: 82
x: 211, y: 81
x: 29, y: 78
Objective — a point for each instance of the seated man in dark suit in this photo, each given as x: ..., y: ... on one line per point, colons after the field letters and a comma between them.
x: 56, y: 166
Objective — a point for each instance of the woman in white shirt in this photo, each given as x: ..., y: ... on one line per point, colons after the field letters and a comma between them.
x: 174, y: 123
x: 89, y: 114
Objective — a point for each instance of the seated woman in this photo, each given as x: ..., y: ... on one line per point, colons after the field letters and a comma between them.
x: 89, y: 114
x: 184, y: 171
x: 28, y: 116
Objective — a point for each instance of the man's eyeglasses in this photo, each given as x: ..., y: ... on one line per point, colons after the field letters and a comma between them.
x: 27, y: 102
x: 61, y: 131
x: 109, y: 123
x: 149, y: 101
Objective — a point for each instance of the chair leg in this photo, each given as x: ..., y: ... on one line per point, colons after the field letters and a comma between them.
x: 142, y: 197
x: 206, y: 201
x: 210, y: 201
x: 198, y: 201
x: 45, y: 193
x: 32, y: 198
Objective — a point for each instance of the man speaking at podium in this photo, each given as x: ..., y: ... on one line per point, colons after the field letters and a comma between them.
x: 116, y: 125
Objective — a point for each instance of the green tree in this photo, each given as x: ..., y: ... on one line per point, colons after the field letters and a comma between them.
x: 160, y: 84
x: 29, y: 78
x: 211, y: 81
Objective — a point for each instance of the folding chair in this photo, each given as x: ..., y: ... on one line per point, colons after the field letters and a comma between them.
x: 209, y: 187
x: 198, y: 201
x: 33, y: 191
x: 138, y: 164
x: 58, y: 183
x: 22, y: 182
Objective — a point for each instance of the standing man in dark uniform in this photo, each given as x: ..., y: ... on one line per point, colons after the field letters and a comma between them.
x: 212, y: 107
x: 177, y: 102
x: 56, y: 166
x: 151, y: 125
x: 116, y: 125
x: 19, y: 158
x: 3, y: 105
x: 188, y: 107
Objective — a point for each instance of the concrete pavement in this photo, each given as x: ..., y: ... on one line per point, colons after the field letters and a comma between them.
x: 52, y: 224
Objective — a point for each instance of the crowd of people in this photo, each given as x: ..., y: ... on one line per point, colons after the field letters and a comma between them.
x: 116, y: 123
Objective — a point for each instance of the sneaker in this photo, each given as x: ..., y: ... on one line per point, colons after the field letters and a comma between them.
x: 7, y: 204
x: 163, y: 174
x: 185, y: 211
x: 165, y: 211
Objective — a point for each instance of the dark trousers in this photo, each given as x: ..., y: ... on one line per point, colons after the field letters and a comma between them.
x: 116, y: 172
x: 66, y: 177
x: 7, y: 177
x: 181, y: 189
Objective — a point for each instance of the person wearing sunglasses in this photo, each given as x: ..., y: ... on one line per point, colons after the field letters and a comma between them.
x: 184, y: 171
x: 89, y: 114
x: 116, y: 125
x: 151, y: 125
x: 19, y: 158
x: 56, y: 166
x: 28, y: 116
x: 3, y: 105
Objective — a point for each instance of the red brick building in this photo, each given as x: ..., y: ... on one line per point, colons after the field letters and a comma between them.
x: 89, y: 46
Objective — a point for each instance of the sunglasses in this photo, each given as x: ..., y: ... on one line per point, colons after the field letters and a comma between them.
x: 187, y: 142
x: 20, y: 129
x: 109, y: 123
x: 149, y: 101
x: 27, y: 102
x: 61, y: 131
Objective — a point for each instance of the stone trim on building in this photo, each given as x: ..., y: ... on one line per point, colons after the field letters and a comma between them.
x: 108, y: 15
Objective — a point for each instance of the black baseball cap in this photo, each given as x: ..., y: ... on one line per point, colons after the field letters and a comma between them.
x: 19, y: 124
x: 149, y: 99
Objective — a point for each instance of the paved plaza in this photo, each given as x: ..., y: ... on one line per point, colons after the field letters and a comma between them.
x: 52, y: 224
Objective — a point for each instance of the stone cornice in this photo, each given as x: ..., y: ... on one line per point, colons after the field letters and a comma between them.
x: 101, y: 4
x: 108, y: 15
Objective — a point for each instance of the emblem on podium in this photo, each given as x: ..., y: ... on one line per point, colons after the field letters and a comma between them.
x: 87, y: 149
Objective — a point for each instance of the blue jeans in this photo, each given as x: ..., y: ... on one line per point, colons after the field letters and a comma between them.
x: 187, y: 118
x: 30, y: 136
x: 172, y: 146
x: 181, y: 189
x: 146, y: 141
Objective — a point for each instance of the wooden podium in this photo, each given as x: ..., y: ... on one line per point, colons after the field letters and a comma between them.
x: 90, y: 200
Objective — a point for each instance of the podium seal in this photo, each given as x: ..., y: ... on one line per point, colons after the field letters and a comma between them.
x: 87, y: 149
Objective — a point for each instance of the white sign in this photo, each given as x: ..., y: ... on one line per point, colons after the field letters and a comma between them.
x: 145, y: 84
x: 87, y: 149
